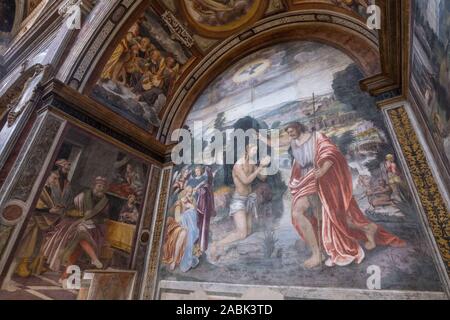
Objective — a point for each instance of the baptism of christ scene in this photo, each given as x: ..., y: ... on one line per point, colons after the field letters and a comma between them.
x: 339, y: 203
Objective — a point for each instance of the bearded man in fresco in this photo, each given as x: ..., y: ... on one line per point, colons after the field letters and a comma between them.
x: 47, y: 214
x: 62, y: 191
x: 321, y: 180
x: 83, y: 230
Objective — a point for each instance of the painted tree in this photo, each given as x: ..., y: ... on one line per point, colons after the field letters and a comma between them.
x: 347, y: 91
x: 219, y: 123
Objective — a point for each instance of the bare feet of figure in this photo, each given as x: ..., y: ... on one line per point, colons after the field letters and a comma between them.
x: 214, y: 252
x: 11, y: 286
x: 370, y: 231
x: 314, y: 261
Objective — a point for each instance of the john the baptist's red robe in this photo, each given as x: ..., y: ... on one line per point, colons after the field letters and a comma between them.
x: 339, y: 208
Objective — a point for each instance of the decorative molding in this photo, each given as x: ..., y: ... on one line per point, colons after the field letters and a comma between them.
x: 394, y: 49
x: 204, y: 44
x: 38, y: 33
x: 12, y: 86
x: 178, y: 31
x: 157, y: 237
x: 24, y: 94
x: 25, y: 176
x: 431, y: 199
x: 388, y: 95
x: 27, y: 97
x: 144, y: 237
x: 92, y: 38
x: 12, y: 213
x: 93, y: 49
x: 35, y: 159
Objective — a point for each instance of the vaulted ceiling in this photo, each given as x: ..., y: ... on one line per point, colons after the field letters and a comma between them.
x: 197, y: 34
x: 197, y: 40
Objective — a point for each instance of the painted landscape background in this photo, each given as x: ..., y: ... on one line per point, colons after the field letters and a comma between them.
x: 269, y: 89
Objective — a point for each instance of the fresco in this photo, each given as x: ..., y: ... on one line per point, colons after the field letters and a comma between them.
x: 338, y: 204
x: 215, y: 17
x: 430, y: 68
x: 141, y: 73
x: 86, y: 215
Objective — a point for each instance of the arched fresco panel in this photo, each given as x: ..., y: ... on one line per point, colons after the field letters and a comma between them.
x: 141, y: 73
x: 338, y: 207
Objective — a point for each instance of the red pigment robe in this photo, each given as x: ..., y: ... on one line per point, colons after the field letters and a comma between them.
x: 339, y: 208
x: 205, y: 209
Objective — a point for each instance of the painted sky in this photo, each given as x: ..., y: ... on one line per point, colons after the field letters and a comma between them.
x: 284, y: 73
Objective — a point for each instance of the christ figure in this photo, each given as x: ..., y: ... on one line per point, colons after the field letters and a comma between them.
x: 243, y: 202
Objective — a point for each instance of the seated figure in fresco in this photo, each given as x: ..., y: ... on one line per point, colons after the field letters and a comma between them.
x: 47, y: 213
x: 171, y: 73
x: 152, y: 81
x: 133, y: 68
x: 321, y: 180
x: 181, y: 234
x: 81, y: 231
x: 115, y: 67
x: 243, y: 203
x: 145, y: 48
x: 57, y: 198
x: 129, y: 212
